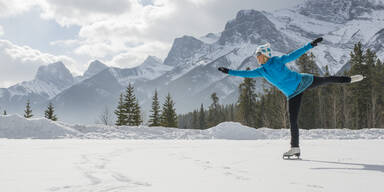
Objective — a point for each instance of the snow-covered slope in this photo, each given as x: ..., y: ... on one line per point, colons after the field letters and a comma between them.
x: 152, y: 68
x: 210, y: 38
x: 14, y: 126
x: 338, y: 11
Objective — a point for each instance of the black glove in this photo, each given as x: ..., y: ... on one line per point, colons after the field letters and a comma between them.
x: 314, y: 42
x: 223, y: 69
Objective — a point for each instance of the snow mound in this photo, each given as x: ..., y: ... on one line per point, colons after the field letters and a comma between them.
x: 237, y: 131
x: 136, y: 132
x: 17, y: 127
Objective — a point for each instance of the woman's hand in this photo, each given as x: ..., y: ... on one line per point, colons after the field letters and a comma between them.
x: 223, y: 69
x: 316, y: 41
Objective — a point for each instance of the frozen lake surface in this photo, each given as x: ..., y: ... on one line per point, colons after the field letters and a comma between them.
x: 189, y: 165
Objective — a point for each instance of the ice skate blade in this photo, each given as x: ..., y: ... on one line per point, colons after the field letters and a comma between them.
x: 357, y: 78
x: 291, y: 157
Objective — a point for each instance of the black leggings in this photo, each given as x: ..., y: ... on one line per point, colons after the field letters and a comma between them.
x: 294, y: 103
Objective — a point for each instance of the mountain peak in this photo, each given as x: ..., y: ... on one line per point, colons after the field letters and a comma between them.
x: 55, y: 73
x: 183, y: 47
x: 338, y: 11
x: 54, y: 70
x: 252, y: 26
x: 96, y: 63
x: 152, y: 59
x: 210, y: 38
x: 248, y: 26
x: 94, y: 68
x: 248, y: 13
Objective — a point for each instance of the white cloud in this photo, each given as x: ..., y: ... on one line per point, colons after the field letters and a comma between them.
x: 5, y: 84
x: 82, y: 12
x: 65, y: 43
x: 136, y: 56
x: 1, y: 30
x: 19, y: 63
x: 124, y: 32
x: 112, y: 29
x: 15, y: 7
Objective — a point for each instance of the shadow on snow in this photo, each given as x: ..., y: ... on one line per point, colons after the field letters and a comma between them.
x: 364, y: 167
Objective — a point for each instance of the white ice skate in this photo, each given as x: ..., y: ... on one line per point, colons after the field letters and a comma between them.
x: 293, y: 152
x: 357, y: 78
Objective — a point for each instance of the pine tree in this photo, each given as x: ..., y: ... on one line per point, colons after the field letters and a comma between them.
x: 231, y: 113
x: 374, y: 81
x: 247, y: 101
x: 120, y: 112
x: 168, y: 115
x: 215, y: 115
x: 130, y: 106
x: 50, y: 113
x: 137, y: 114
x: 28, y: 111
x: 328, y: 103
x: 155, y: 116
x: 379, y: 82
x: 5, y: 112
x: 310, y: 116
x: 202, y: 123
x: 359, y: 91
x: 195, y: 120
x: 339, y: 93
x: 272, y: 109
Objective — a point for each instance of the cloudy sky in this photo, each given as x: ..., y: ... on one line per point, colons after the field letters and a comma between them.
x: 119, y: 33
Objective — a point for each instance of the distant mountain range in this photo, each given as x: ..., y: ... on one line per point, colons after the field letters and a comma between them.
x: 189, y: 72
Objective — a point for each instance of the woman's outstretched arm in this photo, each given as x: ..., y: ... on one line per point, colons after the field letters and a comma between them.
x: 295, y: 54
x: 242, y: 73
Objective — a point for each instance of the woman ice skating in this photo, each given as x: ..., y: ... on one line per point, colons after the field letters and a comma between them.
x: 291, y: 83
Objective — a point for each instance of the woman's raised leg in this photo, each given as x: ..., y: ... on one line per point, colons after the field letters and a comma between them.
x: 317, y: 81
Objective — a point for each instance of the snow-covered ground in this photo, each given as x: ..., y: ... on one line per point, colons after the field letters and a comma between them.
x: 17, y: 127
x: 229, y: 157
x: 72, y: 165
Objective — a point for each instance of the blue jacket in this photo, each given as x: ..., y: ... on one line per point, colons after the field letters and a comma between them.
x: 275, y: 72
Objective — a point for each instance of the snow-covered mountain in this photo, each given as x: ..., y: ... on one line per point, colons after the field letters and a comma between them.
x: 94, y: 68
x: 49, y: 81
x: 339, y: 11
x: 342, y: 23
x: 89, y: 97
x: 189, y: 72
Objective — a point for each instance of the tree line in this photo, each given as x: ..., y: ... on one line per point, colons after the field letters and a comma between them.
x: 128, y: 110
